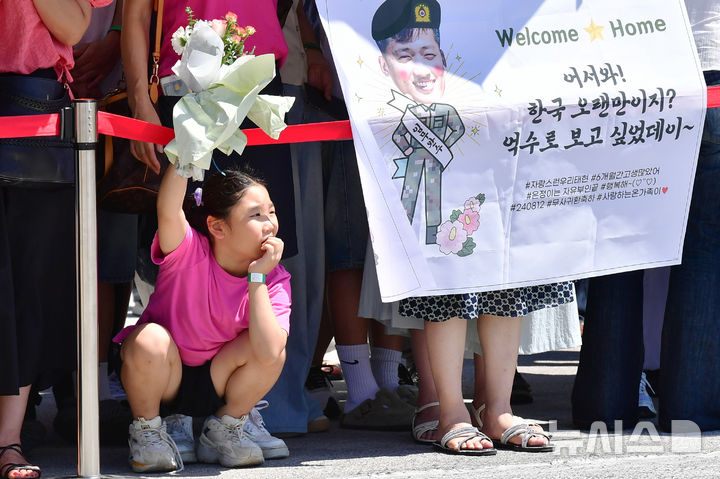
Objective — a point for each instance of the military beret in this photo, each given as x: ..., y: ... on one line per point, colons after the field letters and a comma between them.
x: 393, y: 16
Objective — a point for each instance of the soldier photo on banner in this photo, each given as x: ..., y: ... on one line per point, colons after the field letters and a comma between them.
x: 408, y: 36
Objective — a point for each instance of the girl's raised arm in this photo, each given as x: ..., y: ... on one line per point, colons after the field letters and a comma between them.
x: 172, y: 225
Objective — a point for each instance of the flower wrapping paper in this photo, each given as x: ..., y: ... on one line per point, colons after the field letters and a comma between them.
x: 222, y: 97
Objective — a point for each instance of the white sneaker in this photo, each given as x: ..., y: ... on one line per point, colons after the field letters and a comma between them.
x: 151, y: 448
x: 226, y: 442
x: 179, y: 427
x: 272, y: 447
x: 646, y: 408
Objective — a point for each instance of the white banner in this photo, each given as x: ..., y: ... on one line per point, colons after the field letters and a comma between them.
x: 519, y: 143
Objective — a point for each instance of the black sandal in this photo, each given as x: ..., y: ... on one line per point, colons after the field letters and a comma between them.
x: 6, y: 469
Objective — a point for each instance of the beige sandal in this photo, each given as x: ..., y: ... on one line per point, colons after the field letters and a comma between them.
x: 418, y: 430
x: 476, y: 413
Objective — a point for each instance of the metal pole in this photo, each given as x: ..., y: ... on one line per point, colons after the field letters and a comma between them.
x: 85, y: 139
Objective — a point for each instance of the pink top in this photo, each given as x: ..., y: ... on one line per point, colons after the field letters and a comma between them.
x: 202, y: 305
x: 27, y: 45
x: 261, y: 14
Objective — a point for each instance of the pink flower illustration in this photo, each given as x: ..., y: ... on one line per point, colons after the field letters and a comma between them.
x: 450, y: 237
x: 472, y: 204
x: 470, y: 220
x: 231, y: 17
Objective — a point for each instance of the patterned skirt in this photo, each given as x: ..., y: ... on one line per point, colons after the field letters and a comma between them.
x: 507, y: 303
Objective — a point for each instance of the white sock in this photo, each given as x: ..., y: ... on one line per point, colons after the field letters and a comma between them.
x: 385, y: 364
x: 355, y: 364
x: 103, y: 383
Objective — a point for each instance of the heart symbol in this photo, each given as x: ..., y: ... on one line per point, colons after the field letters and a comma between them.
x: 664, y: 190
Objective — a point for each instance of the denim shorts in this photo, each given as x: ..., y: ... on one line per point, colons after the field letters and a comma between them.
x: 346, y: 226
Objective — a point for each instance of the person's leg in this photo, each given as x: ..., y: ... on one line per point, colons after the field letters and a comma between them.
x: 318, y: 383
x: 151, y: 369
x: 241, y: 377
x: 351, y: 334
x: 478, y: 388
x: 12, y: 411
x: 427, y: 393
x: 611, y: 357
x: 500, y: 340
x: 385, y: 356
x: 445, y: 345
x: 655, y: 290
x: 325, y: 335
x: 689, y: 366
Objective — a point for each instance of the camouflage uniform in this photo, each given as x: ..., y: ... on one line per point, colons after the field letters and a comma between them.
x: 445, y: 122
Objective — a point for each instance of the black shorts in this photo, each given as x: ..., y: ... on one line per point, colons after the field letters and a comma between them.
x: 196, y: 396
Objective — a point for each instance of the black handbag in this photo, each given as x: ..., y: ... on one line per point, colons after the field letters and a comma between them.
x: 35, y: 162
x: 126, y: 185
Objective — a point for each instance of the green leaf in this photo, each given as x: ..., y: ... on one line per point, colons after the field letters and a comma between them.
x: 468, y: 247
x: 481, y: 198
x: 455, y: 215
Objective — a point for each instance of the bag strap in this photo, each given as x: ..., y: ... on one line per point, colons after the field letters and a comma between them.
x: 154, y: 78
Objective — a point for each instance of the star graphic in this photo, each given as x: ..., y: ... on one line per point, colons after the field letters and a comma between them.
x: 498, y: 90
x: 360, y: 61
x: 595, y: 31
x: 475, y: 130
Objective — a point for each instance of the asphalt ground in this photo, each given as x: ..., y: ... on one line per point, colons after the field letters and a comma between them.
x: 341, y: 453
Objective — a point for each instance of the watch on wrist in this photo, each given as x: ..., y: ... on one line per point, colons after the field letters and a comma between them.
x: 256, y: 278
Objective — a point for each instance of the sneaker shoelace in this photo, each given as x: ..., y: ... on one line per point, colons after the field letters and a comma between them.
x: 175, y: 427
x: 236, y: 432
x: 255, y: 419
x: 158, y: 436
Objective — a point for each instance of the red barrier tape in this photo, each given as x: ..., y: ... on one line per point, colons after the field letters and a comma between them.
x: 124, y: 127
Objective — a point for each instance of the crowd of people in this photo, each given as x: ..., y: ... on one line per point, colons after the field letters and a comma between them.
x: 273, y: 260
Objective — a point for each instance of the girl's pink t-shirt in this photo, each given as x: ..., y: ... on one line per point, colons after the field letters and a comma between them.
x: 27, y: 44
x: 202, y: 305
x: 261, y: 14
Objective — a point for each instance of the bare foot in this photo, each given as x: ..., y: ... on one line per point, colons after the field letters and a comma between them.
x: 472, y: 444
x: 11, y: 456
x: 431, y: 413
x: 495, y: 426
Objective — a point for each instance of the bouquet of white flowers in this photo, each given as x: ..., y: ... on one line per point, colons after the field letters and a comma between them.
x: 225, y: 82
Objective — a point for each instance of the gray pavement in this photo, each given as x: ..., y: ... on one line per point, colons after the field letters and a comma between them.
x: 341, y: 453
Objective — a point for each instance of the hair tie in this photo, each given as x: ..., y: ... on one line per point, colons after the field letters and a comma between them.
x: 198, y: 196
